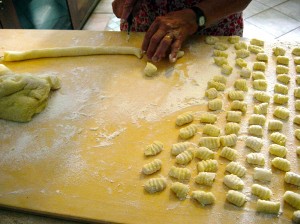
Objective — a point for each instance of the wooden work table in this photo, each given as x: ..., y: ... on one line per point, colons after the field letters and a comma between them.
x: 81, y: 158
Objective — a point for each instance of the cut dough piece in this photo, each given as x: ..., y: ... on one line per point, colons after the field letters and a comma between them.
x: 70, y: 52
x: 150, y: 69
x: 24, y: 95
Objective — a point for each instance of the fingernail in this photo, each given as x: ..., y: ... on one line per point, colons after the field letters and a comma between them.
x: 143, y: 52
x: 172, y: 59
x: 154, y: 59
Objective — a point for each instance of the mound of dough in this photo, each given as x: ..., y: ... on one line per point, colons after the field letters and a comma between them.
x: 24, y: 95
x: 150, y: 69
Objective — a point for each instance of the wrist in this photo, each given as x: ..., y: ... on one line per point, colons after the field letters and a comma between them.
x: 200, y: 17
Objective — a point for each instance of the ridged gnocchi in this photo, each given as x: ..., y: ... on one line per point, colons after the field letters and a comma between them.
x: 210, y: 142
x: 204, y: 198
x: 233, y: 182
x: 281, y: 164
x: 262, y: 174
x: 260, y: 84
x: 245, y: 72
x: 229, y: 153
x: 211, y: 130
x: 220, y: 78
x: 228, y: 140
x: 278, y: 150
x: 208, y: 118
x: 254, y: 143
x: 255, y: 130
x: 219, y: 53
x: 184, y: 118
x: 297, y: 92
x: 281, y: 69
x: 241, y: 62
x: 241, y: 84
x: 292, y: 178
x: 240, y: 45
x: 262, y: 97
x: 262, y: 57
x: 236, y: 95
x: 278, y: 51
x: 205, y: 178
x: 281, y: 112
x: 257, y: 119
x: 261, y: 108
x: 234, y: 116
x: 211, y: 93
x: 255, y: 49
x: 297, y: 134
x: 226, y: 69
x: 260, y: 191
x: 152, y: 167
x: 242, y: 53
x: 233, y: 39
x: 180, y: 173
x: 268, y: 206
x: 296, y: 51
x: 219, y: 61
x: 204, y: 153
x: 215, y: 104
x: 257, y: 75
x: 255, y: 159
x: 235, y: 197
x: 155, y: 185
x: 257, y: 42
x: 278, y: 138
x: 283, y: 60
x: 185, y: 157
x: 282, y: 89
x: 280, y: 99
x: 217, y: 85
x: 283, y: 78
x: 292, y: 198
x: 181, y: 190
x: 236, y: 169
x: 231, y: 128
x: 221, y: 46
x: 188, y: 131
x: 239, y: 105
x: 154, y: 148
x: 260, y: 66
x: 209, y: 165
x: 178, y: 148
x: 211, y: 40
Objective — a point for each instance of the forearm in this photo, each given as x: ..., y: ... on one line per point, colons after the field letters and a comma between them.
x: 215, y: 10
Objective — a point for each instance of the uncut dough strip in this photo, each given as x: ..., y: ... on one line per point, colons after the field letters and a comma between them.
x: 69, y: 52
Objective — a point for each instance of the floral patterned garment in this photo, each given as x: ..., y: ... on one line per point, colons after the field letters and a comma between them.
x: 150, y: 9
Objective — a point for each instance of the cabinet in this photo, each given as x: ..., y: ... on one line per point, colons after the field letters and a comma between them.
x: 45, y: 14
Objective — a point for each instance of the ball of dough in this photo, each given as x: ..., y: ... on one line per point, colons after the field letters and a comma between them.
x: 150, y: 69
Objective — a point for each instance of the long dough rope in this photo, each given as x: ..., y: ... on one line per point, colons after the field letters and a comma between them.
x: 69, y: 52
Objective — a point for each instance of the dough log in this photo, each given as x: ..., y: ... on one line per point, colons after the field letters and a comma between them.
x: 70, y: 52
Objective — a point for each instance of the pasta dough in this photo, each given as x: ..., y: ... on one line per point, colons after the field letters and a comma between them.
x: 70, y: 52
x: 24, y: 95
x: 150, y: 69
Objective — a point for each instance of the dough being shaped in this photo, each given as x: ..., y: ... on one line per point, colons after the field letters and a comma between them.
x: 150, y: 69
x: 24, y: 95
x: 70, y: 52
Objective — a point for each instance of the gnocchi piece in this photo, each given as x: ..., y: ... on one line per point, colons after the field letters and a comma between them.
x: 221, y: 46
x: 210, y: 142
x: 282, y: 89
x: 242, y: 53
x: 150, y: 69
x: 283, y: 60
x: 239, y: 105
x: 233, y: 182
x: 283, y: 78
x: 234, y: 116
x: 297, y: 133
x: 184, y: 118
x: 297, y: 105
x: 261, y: 108
x: 278, y: 51
x: 181, y: 190
x: 245, y: 72
x: 260, y: 84
x: 281, y: 69
x: 257, y: 119
x: 228, y: 140
x: 236, y: 169
x: 209, y: 165
x: 155, y: 185
x: 181, y: 174
x: 297, y: 60
x: 262, y: 97
x: 204, y: 153
x: 262, y: 57
x: 235, y: 197
x: 296, y: 217
x: 255, y: 49
x: 208, y: 118
x: 257, y: 42
x: 205, y: 178
x: 154, y: 148
x: 262, y: 174
x: 298, y: 151
x: 220, y: 78
x: 229, y: 153
x: 297, y: 92
x: 218, y: 53
x: 226, y: 69
x: 152, y: 167
x: 185, y: 157
x: 256, y: 75
x: 298, y: 68
x: 215, y: 104
x: 178, y: 148
x: 236, y: 95
x: 254, y: 143
x: 211, y: 40
x: 292, y: 178
x: 241, y: 62
x: 280, y: 99
x: 219, y: 61
x: 204, y: 198
x: 217, y: 85
x: 188, y: 131
x: 255, y: 130
x: 281, y: 164
x: 278, y: 138
x: 232, y: 128
x: 211, y: 130
x: 233, y: 39
x: 268, y: 206
x: 292, y: 199
x: 260, y: 191
x: 240, y: 45
x: 296, y: 51
x: 211, y: 93
x: 255, y: 159
x: 297, y: 119
x: 241, y: 84
x: 281, y: 113
x: 260, y: 66
x: 275, y: 125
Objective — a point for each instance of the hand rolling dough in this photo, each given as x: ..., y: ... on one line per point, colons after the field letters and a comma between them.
x: 22, y: 96
x: 70, y: 52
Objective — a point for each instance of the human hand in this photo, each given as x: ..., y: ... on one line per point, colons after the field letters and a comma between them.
x: 123, y: 8
x: 167, y: 33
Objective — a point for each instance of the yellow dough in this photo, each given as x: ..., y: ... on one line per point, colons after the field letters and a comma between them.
x: 150, y: 69
x: 70, y: 52
x: 24, y: 95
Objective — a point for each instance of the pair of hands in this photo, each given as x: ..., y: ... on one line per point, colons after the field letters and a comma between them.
x: 166, y: 34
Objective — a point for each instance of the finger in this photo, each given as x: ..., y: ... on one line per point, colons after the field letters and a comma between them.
x: 176, y: 46
x: 163, y: 48
x: 128, y: 8
x: 150, y: 32
x: 117, y: 6
x: 154, y: 43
